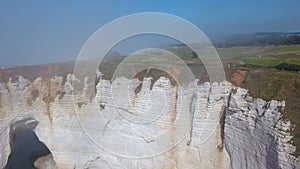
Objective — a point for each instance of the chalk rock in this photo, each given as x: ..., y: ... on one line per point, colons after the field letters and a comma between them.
x: 125, y: 125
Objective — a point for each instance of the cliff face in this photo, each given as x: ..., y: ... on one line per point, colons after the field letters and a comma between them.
x: 256, y: 134
x: 211, y: 125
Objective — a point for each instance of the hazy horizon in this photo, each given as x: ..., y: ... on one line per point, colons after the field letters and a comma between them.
x: 34, y: 32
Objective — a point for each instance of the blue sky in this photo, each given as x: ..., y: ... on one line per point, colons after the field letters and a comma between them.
x: 34, y: 32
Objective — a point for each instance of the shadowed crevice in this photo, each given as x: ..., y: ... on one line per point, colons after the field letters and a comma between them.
x: 25, y: 146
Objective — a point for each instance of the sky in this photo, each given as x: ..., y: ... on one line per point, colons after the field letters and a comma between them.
x: 35, y: 32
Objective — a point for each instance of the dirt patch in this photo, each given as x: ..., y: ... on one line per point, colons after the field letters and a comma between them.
x: 238, y: 77
x: 54, y: 86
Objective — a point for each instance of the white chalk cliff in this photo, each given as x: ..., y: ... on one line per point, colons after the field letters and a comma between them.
x: 211, y: 125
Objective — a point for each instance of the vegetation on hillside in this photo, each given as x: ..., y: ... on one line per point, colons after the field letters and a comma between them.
x: 261, y: 39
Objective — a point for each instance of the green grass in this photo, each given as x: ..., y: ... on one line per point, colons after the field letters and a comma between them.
x: 266, y: 61
x: 255, y: 61
x: 271, y: 50
x: 293, y: 60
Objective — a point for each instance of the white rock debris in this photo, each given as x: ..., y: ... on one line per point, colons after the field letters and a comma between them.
x: 211, y: 125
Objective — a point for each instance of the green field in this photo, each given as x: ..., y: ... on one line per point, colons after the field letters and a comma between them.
x: 266, y: 61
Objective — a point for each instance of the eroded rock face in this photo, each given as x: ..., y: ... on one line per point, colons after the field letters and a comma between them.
x: 185, y: 128
x: 255, y: 132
